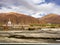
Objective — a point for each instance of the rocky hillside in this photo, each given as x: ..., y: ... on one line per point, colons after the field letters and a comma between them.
x: 17, y: 18
x: 51, y: 18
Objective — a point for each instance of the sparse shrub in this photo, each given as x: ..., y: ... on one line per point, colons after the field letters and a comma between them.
x: 35, y: 25
x: 31, y: 28
x: 38, y: 28
x: 22, y: 28
x: 52, y: 27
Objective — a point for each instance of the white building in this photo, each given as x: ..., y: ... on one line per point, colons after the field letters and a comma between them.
x: 9, y: 23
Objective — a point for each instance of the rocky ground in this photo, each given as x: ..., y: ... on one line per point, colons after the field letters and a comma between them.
x: 30, y: 36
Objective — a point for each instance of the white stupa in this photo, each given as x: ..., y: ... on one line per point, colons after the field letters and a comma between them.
x: 9, y: 23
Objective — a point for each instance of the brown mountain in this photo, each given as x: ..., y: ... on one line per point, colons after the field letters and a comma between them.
x: 51, y: 18
x: 17, y: 18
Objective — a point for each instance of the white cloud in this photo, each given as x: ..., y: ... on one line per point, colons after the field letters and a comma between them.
x: 28, y: 7
x: 39, y: 14
x: 45, y: 9
x: 38, y: 1
x: 18, y: 9
x: 4, y: 10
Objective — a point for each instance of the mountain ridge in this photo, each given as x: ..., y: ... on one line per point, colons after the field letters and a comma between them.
x: 17, y: 18
x: 51, y: 18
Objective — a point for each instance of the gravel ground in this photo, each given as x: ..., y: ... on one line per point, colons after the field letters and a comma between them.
x: 4, y: 37
x: 14, y: 40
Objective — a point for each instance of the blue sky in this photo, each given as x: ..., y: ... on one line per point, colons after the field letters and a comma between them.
x: 54, y: 1
x: 35, y: 8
